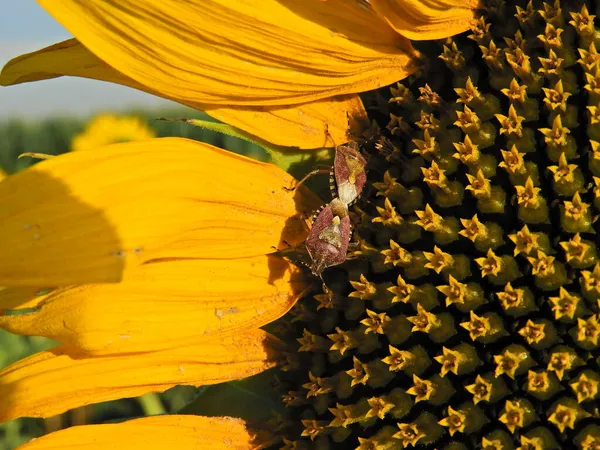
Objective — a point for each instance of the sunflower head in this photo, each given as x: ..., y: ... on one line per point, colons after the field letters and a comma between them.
x: 471, y: 313
x: 106, y: 129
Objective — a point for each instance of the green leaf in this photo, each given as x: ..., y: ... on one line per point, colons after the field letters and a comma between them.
x: 252, y: 398
x: 284, y: 157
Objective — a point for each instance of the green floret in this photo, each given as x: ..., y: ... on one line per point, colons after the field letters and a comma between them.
x: 468, y: 314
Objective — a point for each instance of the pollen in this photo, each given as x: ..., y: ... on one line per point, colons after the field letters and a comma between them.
x: 453, y: 57
x: 490, y: 264
x: 511, y: 297
x: 359, y: 373
x: 513, y: 161
x: 398, y: 359
x: 402, y: 291
x: 469, y: 314
x: 424, y: 321
x: 469, y: 94
x: 438, y: 260
x: 563, y: 417
x: 428, y: 122
x: 388, y: 215
x: 516, y: 93
x: 565, y: 305
x: 479, y: 185
x: 478, y: 327
x: 450, y: 361
x: 375, y: 322
x: 455, y: 291
x: 473, y: 229
x: 481, y: 389
x: 467, y: 152
x: 556, y: 98
x: 434, y: 176
x: 511, y: 125
x: 396, y: 255
x: 429, y: 220
x: 409, y: 434
x: 532, y: 332
x: 454, y: 421
x: 586, y: 386
x: 589, y: 58
x: 428, y: 147
x: 528, y: 195
x: 513, y: 416
x: 421, y: 389
x: 363, y: 289
x: 387, y: 186
x: 468, y: 121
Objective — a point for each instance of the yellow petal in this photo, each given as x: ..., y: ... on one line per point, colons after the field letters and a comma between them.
x: 323, y: 123
x: 304, y: 126
x: 240, y: 52
x: 427, y: 19
x: 88, y: 217
x: 20, y: 297
x: 154, y: 433
x: 56, y: 380
x: 164, y: 303
x: 64, y: 58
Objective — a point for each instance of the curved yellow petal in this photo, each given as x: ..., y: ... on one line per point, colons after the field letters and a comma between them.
x: 427, y: 19
x: 63, y: 58
x: 88, y: 217
x: 20, y: 297
x: 56, y: 380
x: 163, y: 303
x: 323, y: 123
x: 241, y: 52
x: 304, y: 126
x: 155, y: 433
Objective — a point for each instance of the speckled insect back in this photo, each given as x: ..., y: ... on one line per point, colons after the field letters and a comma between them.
x: 329, y: 236
x: 348, y: 173
x: 470, y: 314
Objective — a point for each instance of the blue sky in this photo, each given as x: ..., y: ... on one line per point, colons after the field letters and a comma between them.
x: 25, y: 27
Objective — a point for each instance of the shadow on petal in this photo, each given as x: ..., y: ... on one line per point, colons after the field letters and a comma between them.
x: 157, y: 433
x: 164, y: 303
x: 42, y: 242
x: 354, y: 20
x: 54, y: 381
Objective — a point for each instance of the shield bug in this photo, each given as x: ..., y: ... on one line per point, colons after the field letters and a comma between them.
x: 348, y: 175
x: 328, y: 239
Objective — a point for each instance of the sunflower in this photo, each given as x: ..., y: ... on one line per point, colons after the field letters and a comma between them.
x: 467, y: 316
x: 302, y: 61
x: 107, y: 129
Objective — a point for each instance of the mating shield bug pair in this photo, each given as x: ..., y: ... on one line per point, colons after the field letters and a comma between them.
x: 329, y: 237
x: 347, y: 176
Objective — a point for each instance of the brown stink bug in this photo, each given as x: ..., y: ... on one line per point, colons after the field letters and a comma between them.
x: 328, y: 239
x: 348, y: 175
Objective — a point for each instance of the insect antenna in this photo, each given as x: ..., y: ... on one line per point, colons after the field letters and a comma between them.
x: 310, y: 174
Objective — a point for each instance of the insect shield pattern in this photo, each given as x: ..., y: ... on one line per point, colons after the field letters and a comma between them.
x: 349, y: 173
x: 328, y: 240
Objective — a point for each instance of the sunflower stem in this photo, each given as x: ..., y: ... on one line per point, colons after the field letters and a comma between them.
x: 281, y: 156
x: 151, y: 404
